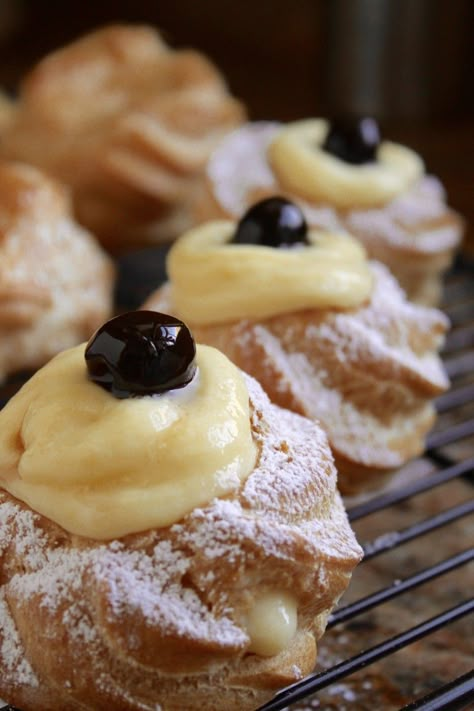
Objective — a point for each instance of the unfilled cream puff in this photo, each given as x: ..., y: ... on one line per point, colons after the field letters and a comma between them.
x: 128, y: 124
x: 56, y: 283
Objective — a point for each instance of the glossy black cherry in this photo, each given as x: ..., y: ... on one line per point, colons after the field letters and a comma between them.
x: 353, y: 140
x: 141, y: 353
x: 274, y: 222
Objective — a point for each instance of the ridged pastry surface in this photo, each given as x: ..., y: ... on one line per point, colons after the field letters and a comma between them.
x: 55, y: 281
x: 415, y: 235
x: 157, y: 620
x: 129, y: 124
x: 369, y: 375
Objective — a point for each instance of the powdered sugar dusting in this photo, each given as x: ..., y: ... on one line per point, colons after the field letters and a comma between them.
x: 53, y: 582
x: 152, y: 585
x: 239, y: 166
x: 22, y: 533
x: 389, y: 328
x: 418, y: 219
x: 285, y: 523
x: 368, y: 375
x: 15, y: 668
x: 292, y: 483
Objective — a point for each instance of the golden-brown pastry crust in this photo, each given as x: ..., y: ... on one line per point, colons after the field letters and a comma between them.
x: 156, y: 619
x: 55, y: 281
x: 368, y: 375
x: 415, y: 235
x: 129, y: 124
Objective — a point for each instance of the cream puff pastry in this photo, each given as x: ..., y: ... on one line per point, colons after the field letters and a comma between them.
x: 128, y: 124
x: 55, y: 281
x: 344, y: 178
x: 6, y: 110
x: 328, y: 334
x: 186, y: 551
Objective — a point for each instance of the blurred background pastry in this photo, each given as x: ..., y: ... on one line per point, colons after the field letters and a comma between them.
x: 406, y: 64
x: 178, y: 539
x: 56, y: 283
x: 327, y: 333
x: 6, y: 110
x: 128, y: 124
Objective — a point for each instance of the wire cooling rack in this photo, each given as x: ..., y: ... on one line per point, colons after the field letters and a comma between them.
x: 379, y: 624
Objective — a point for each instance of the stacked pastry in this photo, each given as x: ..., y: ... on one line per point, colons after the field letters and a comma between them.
x: 55, y: 281
x: 344, y: 177
x: 176, y: 538
x: 128, y: 124
x: 328, y: 334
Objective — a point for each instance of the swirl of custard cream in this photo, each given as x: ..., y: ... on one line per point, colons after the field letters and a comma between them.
x: 305, y: 169
x: 216, y: 281
x: 102, y: 467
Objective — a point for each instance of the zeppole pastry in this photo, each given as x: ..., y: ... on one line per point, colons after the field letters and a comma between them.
x: 6, y: 110
x: 55, y: 281
x: 177, y: 539
x: 344, y: 178
x: 328, y: 334
x: 128, y: 124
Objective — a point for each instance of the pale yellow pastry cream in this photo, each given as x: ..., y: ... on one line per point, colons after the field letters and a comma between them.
x: 103, y: 467
x: 272, y: 622
x: 304, y: 169
x: 214, y: 281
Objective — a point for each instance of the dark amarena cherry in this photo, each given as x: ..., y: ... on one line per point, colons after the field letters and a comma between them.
x: 353, y: 140
x: 141, y: 353
x: 274, y: 222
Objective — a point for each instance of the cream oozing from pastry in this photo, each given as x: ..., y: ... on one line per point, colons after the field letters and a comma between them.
x: 215, y: 281
x: 103, y: 467
x: 272, y: 622
x: 305, y: 169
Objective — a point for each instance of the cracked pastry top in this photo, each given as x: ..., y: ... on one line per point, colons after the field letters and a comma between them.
x: 128, y: 123
x: 186, y: 550
x: 55, y: 281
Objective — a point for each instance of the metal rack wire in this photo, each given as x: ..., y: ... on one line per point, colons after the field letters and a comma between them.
x: 458, y: 406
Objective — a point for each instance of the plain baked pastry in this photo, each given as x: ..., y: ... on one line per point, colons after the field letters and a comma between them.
x: 55, y: 281
x: 128, y: 124
x: 327, y: 334
x: 220, y: 601
x: 344, y: 178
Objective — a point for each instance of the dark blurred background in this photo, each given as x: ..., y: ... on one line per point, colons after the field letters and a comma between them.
x: 410, y: 63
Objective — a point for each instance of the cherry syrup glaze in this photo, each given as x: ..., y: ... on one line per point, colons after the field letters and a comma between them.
x: 274, y: 222
x: 353, y: 140
x: 141, y: 353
